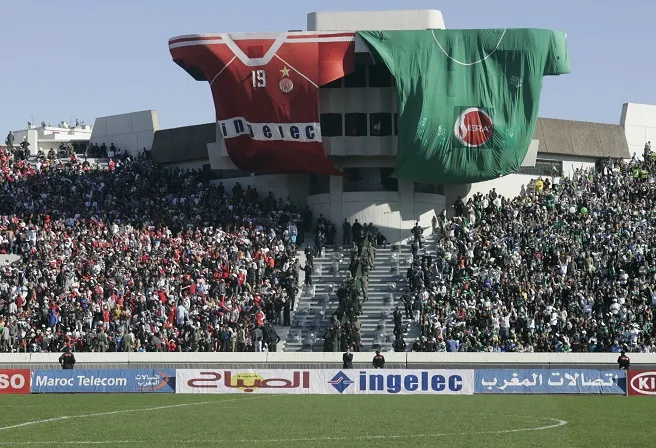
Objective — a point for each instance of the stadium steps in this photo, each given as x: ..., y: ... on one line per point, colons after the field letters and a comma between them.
x: 317, y: 304
x: 283, y: 331
x: 413, y: 328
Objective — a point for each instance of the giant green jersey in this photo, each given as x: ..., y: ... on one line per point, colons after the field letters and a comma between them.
x: 467, y: 99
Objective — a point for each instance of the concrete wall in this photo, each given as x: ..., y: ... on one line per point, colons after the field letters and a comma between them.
x: 50, y: 136
x: 375, y: 20
x: 131, y: 132
x: 328, y: 360
x: 193, y: 165
x: 393, y: 212
x: 294, y: 186
x: 639, y: 121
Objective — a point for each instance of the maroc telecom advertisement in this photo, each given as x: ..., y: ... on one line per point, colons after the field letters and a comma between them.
x: 103, y: 381
x: 545, y: 381
x: 382, y: 381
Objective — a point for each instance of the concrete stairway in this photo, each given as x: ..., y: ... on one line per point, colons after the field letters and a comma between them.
x: 284, y: 332
x: 413, y: 329
x: 317, y: 304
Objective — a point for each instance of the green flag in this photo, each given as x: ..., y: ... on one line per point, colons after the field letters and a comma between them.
x: 467, y: 99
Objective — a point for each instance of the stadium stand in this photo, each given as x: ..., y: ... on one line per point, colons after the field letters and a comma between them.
x: 129, y: 256
x: 125, y: 255
x: 569, y: 265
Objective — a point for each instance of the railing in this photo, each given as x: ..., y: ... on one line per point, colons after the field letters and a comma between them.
x: 321, y: 360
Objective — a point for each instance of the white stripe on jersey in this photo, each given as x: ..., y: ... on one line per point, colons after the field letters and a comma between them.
x: 226, y: 39
x: 221, y: 71
x: 292, y: 67
x: 269, y: 132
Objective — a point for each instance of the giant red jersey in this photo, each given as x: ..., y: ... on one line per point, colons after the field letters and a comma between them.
x: 266, y: 93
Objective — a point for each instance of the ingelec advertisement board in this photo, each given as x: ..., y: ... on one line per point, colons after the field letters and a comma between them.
x: 379, y: 381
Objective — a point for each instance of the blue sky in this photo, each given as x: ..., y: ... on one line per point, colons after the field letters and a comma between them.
x: 67, y: 59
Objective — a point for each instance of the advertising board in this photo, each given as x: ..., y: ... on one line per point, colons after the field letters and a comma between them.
x: 547, y: 381
x: 103, y: 381
x: 381, y: 381
x: 641, y: 382
x: 15, y: 381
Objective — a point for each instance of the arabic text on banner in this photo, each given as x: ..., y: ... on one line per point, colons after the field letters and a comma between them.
x: 103, y: 381
x: 545, y: 381
x: 207, y: 381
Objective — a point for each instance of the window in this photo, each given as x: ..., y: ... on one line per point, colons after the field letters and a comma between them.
x: 356, y: 124
x: 379, y: 76
x: 380, y: 124
x: 547, y: 168
x: 429, y: 188
x: 319, y: 184
x: 358, y: 78
x: 336, y: 84
x: 369, y: 179
x: 396, y: 124
x: 331, y: 125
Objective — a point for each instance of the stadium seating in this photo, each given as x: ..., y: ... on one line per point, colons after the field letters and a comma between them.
x: 125, y: 255
x: 131, y: 256
x: 568, y: 265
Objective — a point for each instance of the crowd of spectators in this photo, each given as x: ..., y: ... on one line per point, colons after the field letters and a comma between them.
x: 131, y: 256
x: 568, y: 265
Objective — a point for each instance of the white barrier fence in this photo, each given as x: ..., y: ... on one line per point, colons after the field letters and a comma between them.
x: 264, y: 360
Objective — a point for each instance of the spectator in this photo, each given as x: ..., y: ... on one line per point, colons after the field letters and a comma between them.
x: 9, y: 141
x: 346, y: 233
x: 347, y: 359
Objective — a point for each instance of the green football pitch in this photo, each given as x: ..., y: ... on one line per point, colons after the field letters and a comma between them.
x: 149, y: 421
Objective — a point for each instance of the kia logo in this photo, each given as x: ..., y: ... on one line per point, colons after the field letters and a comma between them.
x: 644, y: 383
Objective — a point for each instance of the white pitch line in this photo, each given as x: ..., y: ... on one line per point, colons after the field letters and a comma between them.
x: 557, y: 424
x: 124, y: 411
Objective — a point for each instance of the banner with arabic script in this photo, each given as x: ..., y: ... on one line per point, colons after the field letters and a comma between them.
x: 103, y: 381
x: 547, y: 381
x: 219, y: 381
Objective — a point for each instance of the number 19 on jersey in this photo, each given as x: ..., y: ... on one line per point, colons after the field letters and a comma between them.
x: 258, y: 78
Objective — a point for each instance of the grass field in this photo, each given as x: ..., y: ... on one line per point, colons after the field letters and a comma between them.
x: 149, y: 421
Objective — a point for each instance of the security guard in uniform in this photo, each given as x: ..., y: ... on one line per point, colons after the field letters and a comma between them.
x: 67, y: 360
x: 624, y: 361
x: 379, y: 361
